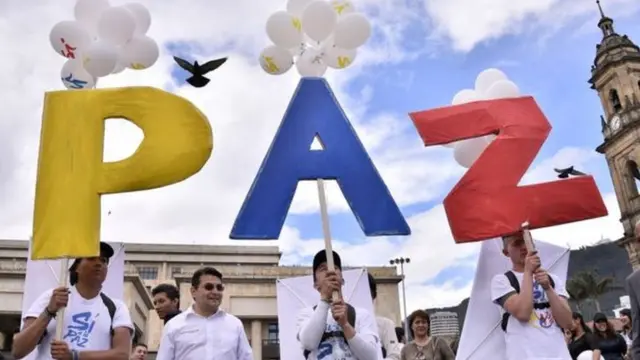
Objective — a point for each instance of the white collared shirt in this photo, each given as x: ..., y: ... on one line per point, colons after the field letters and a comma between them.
x: 189, y: 336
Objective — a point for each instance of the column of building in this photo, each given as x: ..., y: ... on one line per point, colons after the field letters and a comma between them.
x: 256, y: 339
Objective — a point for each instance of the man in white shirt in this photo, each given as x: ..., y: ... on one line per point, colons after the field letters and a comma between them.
x: 534, y: 306
x: 386, y: 327
x: 335, y: 330
x: 95, y: 326
x: 204, y: 331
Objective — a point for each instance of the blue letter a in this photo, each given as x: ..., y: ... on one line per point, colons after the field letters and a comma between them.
x: 314, y: 111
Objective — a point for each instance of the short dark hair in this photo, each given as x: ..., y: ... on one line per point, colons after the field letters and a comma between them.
x: 372, y: 286
x: 141, y: 345
x: 195, y: 279
x: 172, y: 292
x: 422, y: 315
x: 399, y: 333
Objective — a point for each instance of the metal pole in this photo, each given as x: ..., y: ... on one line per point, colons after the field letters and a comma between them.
x: 404, y: 301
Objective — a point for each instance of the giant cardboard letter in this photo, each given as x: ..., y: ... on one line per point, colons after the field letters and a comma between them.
x: 314, y: 111
x: 487, y: 202
x: 71, y: 174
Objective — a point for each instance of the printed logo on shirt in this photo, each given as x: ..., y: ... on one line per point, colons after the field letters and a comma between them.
x: 80, y: 329
x: 540, y: 318
x: 334, y: 348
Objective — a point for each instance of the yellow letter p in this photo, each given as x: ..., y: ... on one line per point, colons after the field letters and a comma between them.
x: 72, y: 175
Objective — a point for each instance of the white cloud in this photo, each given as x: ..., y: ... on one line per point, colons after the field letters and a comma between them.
x: 245, y: 107
x: 467, y: 23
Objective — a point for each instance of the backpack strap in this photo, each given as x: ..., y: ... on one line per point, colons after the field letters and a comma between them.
x: 513, y: 281
x: 351, y: 315
x: 111, y: 307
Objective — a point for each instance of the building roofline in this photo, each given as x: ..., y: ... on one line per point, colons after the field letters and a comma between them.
x: 174, y: 248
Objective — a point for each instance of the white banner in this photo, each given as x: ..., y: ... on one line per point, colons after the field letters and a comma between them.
x: 294, y: 294
x: 482, y: 337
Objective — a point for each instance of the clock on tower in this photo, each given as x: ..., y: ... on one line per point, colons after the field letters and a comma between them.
x: 615, y: 75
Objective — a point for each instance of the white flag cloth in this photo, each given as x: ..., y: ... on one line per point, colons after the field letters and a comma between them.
x: 43, y: 275
x: 482, y: 337
x: 294, y: 294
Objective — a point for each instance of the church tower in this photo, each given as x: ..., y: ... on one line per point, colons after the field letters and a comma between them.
x: 615, y: 75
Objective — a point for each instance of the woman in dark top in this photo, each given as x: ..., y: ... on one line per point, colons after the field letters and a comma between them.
x: 581, y: 338
x: 612, y: 346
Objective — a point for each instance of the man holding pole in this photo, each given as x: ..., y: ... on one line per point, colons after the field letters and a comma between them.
x: 533, y: 302
x: 334, y: 329
x: 94, y: 326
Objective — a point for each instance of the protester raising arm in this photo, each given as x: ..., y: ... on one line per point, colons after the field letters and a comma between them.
x: 36, y: 320
x: 363, y: 343
x: 311, y: 326
x: 557, y: 297
x: 519, y: 305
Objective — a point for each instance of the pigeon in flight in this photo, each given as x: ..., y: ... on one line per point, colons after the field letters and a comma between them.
x: 565, y: 173
x: 198, y: 71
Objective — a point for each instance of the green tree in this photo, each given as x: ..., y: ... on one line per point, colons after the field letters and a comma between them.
x: 577, y: 292
x: 588, y: 285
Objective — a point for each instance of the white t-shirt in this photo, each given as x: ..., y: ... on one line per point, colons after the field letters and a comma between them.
x: 87, y: 323
x: 336, y: 348
x: 540, y: 338
x: 388, y: 337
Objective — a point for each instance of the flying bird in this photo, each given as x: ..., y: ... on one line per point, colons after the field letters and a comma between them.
x: 565, y: 173
x: 198, y: 71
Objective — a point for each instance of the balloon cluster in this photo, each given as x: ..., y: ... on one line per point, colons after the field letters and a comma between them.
x: 314, y: 34
x: 103, y: 40
x: 490, y: 84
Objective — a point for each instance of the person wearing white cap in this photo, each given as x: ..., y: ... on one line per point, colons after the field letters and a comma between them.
x: 95, y: 326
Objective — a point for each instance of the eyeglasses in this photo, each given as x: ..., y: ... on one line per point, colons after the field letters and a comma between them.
x: 209, y: 287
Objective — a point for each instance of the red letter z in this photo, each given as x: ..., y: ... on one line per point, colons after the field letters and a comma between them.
x: 487, y: 202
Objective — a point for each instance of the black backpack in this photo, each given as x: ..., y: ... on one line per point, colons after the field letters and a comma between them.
x: 351, y: 318
x: 111, y: 308
x: 513, y: 280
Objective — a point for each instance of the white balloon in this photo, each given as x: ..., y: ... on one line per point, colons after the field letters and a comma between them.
x: 587, y: 355
x: 352, y: 31
x: 296, y: 7
x: 142, y: 17
x: 464, y: 96
x: 310, y: 63
x: 468, y: 151
x: 338, y: 58
x: 489, y: 138
x: 319, y: 20
x: 69, y: 38
x: 75, y: 77
x: 342, y: 7
x: 298, y: 50
x: 284, y: 30
x: 120, y: 66
x: 140, y: 53
x: 88, y: 13
x: 487, y: 78
x: 100, y: 58
x: 503, y: 89
x: 276, y: 60
x: 116, y: 25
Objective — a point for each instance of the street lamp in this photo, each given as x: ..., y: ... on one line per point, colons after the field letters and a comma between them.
x: 401, y: 261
